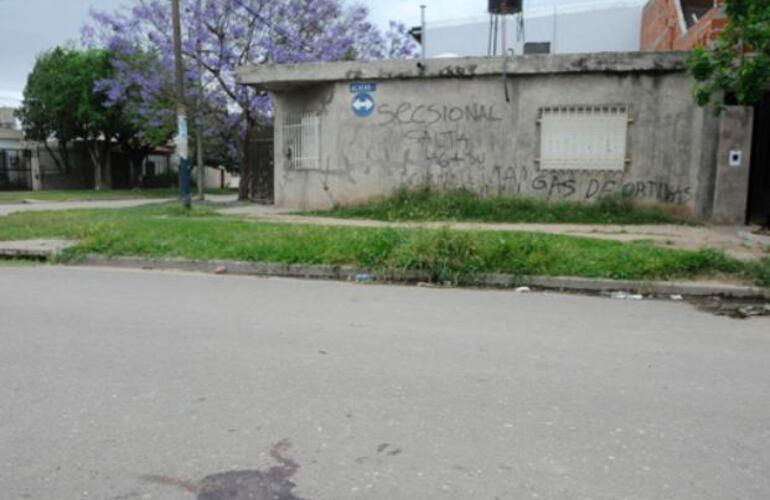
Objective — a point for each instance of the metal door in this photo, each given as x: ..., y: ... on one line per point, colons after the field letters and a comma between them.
x: 15, y: 170
x: 759, y: 176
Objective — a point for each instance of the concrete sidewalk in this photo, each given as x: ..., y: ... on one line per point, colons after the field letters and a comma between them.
x: 42, y: 206
x: 736, y: 241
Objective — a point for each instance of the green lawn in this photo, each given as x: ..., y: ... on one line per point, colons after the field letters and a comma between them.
x: 424, y: 205
x: 91, y: 195
x: 168, y: 231
x: 17, y: 263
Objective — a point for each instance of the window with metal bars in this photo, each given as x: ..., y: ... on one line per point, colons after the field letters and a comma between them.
x: 583, y: 137
x: 302, y: 140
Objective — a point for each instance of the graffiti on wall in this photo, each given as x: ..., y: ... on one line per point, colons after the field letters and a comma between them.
x: 429, y: 114
x: 446, y: 145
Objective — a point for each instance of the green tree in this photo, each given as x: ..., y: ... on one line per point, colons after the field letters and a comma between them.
x: 143, y: 89
x: 62, y: 100
x: 739, y: 62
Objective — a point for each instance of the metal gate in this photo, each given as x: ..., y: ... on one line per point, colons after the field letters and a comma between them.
x: 759, y: 176
x: 15, y: 170
x: 261, y: 157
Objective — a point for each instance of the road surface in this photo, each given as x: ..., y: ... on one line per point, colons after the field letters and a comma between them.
x: 124, y: 385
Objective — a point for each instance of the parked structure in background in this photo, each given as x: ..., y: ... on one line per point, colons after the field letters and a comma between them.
x: 29, y: 165
x: 577, y: 127
x: 601, y: 26
x: 15, y: 161
x: 669, y: 25
x: 15, y: 156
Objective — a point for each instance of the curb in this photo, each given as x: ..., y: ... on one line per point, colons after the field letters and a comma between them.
x: 39, y: 249
x: 350, y: 273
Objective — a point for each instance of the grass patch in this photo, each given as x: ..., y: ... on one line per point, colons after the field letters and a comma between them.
x: 18, y: 263
x: 760, y: 270
x: 446, y: 255
x: 426, y: 205
x: 92, y: 195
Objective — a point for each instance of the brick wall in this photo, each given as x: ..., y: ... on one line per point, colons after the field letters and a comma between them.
x: 662, y: 28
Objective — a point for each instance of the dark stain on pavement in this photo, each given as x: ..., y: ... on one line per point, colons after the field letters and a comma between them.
x: 391, y: 453
x: 273, y: 484
x: 383, y: 450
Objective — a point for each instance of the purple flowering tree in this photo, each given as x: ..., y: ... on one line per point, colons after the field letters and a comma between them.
x: 218, y: 37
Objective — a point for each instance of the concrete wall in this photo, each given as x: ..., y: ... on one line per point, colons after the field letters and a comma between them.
x: 733, y: 161
x: 214, y: 177
x: 491, y: 146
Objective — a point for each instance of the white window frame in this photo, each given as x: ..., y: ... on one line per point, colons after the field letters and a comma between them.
x: 591, y: 138
x: 302, y: 140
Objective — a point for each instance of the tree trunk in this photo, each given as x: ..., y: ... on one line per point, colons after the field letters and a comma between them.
x: 65, y: 155
x: 107, y: 166
x: 135, y: 162
x: 99, y: 162
x: 247, y: 172
x: 98, y: 182
x: 131, y: 173
x: 61, y: 165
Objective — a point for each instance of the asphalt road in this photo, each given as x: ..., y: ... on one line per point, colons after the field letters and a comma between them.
x: 125, y: 385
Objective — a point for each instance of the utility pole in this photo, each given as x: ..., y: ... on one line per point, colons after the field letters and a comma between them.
x: 182, y: 147
x: 199, y: 115
x: 199, y: 152
x: 423, y: 33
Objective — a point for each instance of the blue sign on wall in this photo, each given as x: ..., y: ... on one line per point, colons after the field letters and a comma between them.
x: 363, y: 105
x: 363, y: 87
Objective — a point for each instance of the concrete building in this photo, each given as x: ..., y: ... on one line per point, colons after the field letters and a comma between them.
x: 7, y: 118
x: 600, y: 26
x: 682, y: 25
x: 669, y: 25
x: 29, y: 165
x: 15, y: 159
x: 570, y: 127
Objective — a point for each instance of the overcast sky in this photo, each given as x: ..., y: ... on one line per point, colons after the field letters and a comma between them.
x: 28, y: 27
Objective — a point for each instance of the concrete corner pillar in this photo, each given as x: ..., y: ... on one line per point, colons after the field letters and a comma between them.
x: 731, y: 189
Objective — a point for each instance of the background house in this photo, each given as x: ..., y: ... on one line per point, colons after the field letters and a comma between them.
x: 7, y: 119
x: 671, y: 25
x: 601, y: 26
x: 681, y: 24
x: 15, y: 157
x: 15, y: 161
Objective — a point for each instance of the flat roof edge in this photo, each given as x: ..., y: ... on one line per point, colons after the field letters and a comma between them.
x: 278, y: 76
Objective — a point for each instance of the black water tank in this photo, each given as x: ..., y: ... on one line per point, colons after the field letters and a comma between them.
x: 508, y: 6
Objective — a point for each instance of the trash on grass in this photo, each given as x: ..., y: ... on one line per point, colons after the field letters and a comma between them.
x: 626, y: 296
